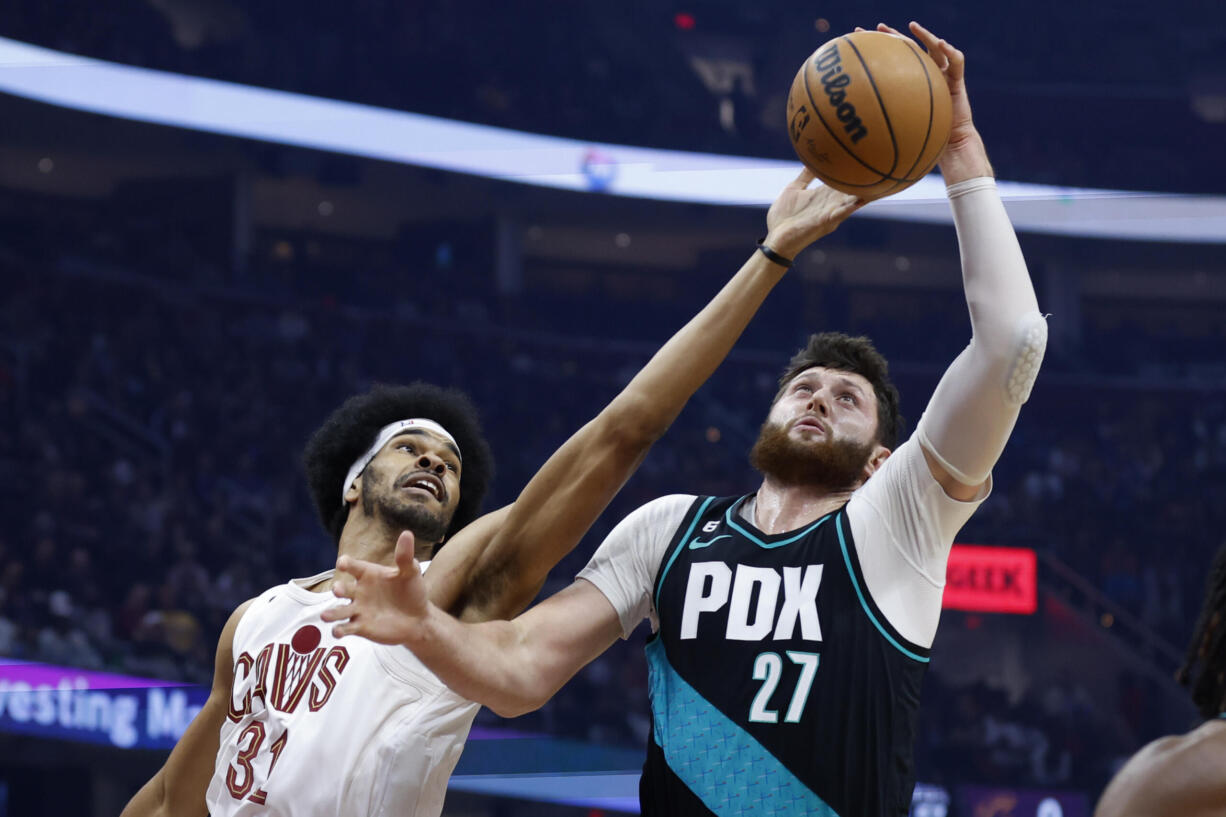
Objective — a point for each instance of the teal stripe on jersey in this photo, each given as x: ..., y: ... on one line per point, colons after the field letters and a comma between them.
x: 730, y: 518
x: 733, y: 774
x: 680, y: 547
x: 838, y: 525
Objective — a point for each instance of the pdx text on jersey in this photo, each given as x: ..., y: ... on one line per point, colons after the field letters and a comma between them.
x: 710, y: 585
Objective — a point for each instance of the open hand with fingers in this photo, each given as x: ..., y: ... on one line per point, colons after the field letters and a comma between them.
x: 964, y: 156
x: 387, y: 604
x: 802, y: 214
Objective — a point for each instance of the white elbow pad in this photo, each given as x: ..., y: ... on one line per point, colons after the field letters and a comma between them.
x: 1027, y: 357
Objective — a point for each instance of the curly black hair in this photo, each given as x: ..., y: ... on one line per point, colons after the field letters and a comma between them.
x: 1204, y: 668
x: 835, y: 350
x: 352, y: 428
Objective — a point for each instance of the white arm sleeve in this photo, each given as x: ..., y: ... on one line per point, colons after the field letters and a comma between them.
x: 903, y: 525
x: 624, y: 567
x: 974, y: 407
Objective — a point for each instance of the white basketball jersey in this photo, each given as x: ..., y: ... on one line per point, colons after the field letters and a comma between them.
x: 324, y: 726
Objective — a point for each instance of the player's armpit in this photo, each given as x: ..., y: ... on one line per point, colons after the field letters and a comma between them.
x: 494, y: 567
x: 179, y: 787
x: 551, y: 516
x: 452, y: 567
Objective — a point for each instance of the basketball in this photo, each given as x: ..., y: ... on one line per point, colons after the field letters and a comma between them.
x: 869, y: 113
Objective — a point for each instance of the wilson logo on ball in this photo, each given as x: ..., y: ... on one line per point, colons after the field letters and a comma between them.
x: 834, y: 83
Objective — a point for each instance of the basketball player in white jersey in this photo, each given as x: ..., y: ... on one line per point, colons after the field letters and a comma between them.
x: 1185, y: 775
x: 793, y: 624
x: 299, y: 722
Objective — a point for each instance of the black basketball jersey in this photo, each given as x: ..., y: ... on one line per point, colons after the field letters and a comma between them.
x: 777, y: 685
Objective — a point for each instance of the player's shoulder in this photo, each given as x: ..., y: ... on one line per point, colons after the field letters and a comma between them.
x: 1175, y: 775
x: 671, y: 501
x: 1204, y: 746
x: 667, y: 506
x: 236, y: 618
x: 241, y: 610
x: 272, y: 607
x: 648, y: 526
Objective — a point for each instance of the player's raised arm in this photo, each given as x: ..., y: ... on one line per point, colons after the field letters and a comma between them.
x: 974, y: 408
x: 493, y: 569
x: 178, y: 789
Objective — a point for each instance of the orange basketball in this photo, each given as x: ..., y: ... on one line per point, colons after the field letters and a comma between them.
x: 869, y: 113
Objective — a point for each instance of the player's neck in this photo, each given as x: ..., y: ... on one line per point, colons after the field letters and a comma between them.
x: 372, y: 540
x: 780, y: 508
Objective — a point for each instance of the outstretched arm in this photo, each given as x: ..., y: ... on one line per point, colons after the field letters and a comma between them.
x: 492, y: 569
x: 512, y: 667
x: 180, y: 786
x: 974, y: 407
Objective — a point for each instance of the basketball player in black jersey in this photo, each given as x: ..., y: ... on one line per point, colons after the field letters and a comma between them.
x: 793, y: 624
x: 1183, y: 775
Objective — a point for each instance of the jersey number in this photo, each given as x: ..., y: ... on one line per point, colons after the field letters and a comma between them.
x: 240, y: 776
x: 768, y: 668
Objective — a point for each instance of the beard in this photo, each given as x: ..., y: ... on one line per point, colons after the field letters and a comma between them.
x: 399, y: 513
x: 837, y: 465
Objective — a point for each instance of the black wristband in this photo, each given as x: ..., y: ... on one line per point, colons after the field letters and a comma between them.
x: 775, y: 257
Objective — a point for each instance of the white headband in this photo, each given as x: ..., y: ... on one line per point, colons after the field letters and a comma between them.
x: 385, y: 434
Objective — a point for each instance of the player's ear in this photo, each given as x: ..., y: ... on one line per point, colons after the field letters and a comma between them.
x: 880, y: 455
x: 354, y: 492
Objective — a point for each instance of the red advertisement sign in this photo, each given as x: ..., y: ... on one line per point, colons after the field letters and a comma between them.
x: 991, y: 580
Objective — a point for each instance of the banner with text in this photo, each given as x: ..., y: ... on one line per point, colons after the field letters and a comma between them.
x: 97, y: 707
x: 991, y: 580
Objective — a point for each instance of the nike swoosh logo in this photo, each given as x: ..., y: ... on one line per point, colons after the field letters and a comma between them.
x: 698, y: 543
